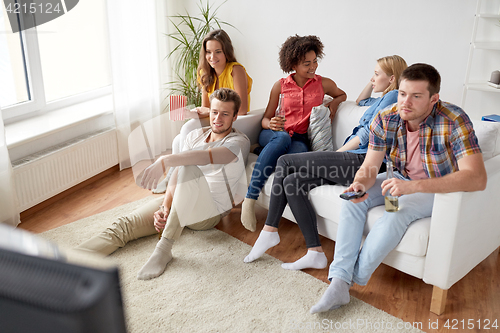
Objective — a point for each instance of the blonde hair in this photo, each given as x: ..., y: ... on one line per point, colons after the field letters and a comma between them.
x: 392, y: 65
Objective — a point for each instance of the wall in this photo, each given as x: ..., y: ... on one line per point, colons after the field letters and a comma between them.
x: 355, y: 33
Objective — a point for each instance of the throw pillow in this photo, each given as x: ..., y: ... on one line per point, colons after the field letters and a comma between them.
x: 320, y: 127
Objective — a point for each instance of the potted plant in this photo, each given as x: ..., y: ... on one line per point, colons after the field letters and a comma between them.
x: 189, y: 33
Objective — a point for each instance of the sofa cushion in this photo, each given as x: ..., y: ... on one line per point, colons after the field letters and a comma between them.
x: 326, y: 201
x: 487, y: 134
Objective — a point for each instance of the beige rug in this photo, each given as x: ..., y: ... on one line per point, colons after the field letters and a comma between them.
x: 208, y: 288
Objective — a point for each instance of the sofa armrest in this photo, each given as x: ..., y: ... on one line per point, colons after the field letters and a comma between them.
x: 464, y: 230
x: 250, y: 124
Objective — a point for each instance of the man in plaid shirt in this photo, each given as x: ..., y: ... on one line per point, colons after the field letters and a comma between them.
x: 434, y: 150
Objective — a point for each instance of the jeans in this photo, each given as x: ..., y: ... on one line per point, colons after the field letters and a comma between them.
x: 352, y: 264
x: 297, y: 174
x: 275, y: 143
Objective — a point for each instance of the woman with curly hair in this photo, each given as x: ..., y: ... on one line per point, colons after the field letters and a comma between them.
x: 300, y: 91
x: 298, y: 174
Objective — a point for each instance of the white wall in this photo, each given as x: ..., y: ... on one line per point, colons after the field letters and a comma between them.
x: 355, y: 33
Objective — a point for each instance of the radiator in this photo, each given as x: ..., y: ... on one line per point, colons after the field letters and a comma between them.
x: 42, y: 175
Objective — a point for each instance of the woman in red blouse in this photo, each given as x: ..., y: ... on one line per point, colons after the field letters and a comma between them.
x: 300, y: 92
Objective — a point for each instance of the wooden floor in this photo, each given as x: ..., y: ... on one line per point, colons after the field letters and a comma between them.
x: 474, y: 301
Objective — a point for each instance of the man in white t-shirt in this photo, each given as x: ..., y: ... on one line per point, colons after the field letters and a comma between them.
x: 209, y: 178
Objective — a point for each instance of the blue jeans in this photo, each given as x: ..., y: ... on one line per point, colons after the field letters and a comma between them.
x: 354, y: 265
x: 275, y: 143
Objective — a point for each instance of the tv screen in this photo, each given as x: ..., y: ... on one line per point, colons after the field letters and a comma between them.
x: 42, y: 294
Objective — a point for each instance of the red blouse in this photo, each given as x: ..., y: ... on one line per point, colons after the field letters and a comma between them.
x: 298, y: 102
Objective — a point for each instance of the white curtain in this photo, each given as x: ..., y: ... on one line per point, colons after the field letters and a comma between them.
x: 8, y: 202
x: 135, y: 62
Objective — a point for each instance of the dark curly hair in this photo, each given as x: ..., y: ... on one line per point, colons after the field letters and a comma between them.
x: 294, y: 50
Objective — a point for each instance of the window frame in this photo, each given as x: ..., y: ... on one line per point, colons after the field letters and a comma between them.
x: 37, y: 104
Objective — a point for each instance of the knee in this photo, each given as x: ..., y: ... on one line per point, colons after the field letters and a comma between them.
x: 283, y: 138
x: 279, y: 138
x: 189, y: 126
x: 176, y: 144
x: 282, y: 163
x: 394, y: 222
x: 189, y: 172
x: 291, y: 185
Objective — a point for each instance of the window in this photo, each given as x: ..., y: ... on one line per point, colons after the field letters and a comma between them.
x: 59, y: 63
x: 13, y: 80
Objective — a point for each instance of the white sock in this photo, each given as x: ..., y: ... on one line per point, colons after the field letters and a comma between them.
x: 334, y: 297
x: 313, y: 259
x: 158, y: 261
x: 266, y: 240
x: 248, y: 214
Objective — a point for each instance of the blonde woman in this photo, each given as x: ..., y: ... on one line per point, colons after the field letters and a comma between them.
x: 297, y: 174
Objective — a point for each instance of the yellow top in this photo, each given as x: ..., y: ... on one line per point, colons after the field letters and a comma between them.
x: 226, y: 80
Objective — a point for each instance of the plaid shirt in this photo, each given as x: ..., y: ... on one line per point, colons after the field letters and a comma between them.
x: 446, y: 136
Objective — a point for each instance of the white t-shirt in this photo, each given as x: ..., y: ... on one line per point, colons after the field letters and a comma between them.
x: 239, y: 144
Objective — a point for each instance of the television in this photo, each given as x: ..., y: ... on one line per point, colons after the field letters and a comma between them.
x: 41, y: 291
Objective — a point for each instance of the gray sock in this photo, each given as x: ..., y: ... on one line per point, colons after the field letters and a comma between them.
x: 158, y: 261
x: 248, y: 214
x: 334, y: 297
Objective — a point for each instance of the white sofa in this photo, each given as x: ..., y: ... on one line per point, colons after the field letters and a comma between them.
x: 464, y: 228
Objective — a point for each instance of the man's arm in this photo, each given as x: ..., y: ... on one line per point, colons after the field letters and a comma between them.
x: 367, y: 173
x: 471, y: 176
x: 151, y: 176
x: 160, y: 216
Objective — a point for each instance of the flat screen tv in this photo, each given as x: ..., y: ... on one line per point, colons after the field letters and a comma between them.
x: 40, y: 293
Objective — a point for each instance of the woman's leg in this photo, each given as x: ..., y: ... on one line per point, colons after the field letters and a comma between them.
x: 295, y: 176
x: 300, y: 144
x: 275, y: 143
x: 317, y: 171
x: 269, y: 235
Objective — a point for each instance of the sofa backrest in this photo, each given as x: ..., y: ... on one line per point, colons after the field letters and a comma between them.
x: 250, y: 124
x: 487, y: 133
x: 349, y: 113
x: 347, y: 117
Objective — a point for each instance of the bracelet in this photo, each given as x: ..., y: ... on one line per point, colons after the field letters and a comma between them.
x: 210, y: 154
x: 163, y: 166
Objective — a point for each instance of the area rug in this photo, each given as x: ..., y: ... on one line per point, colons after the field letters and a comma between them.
x: 208, y: 288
